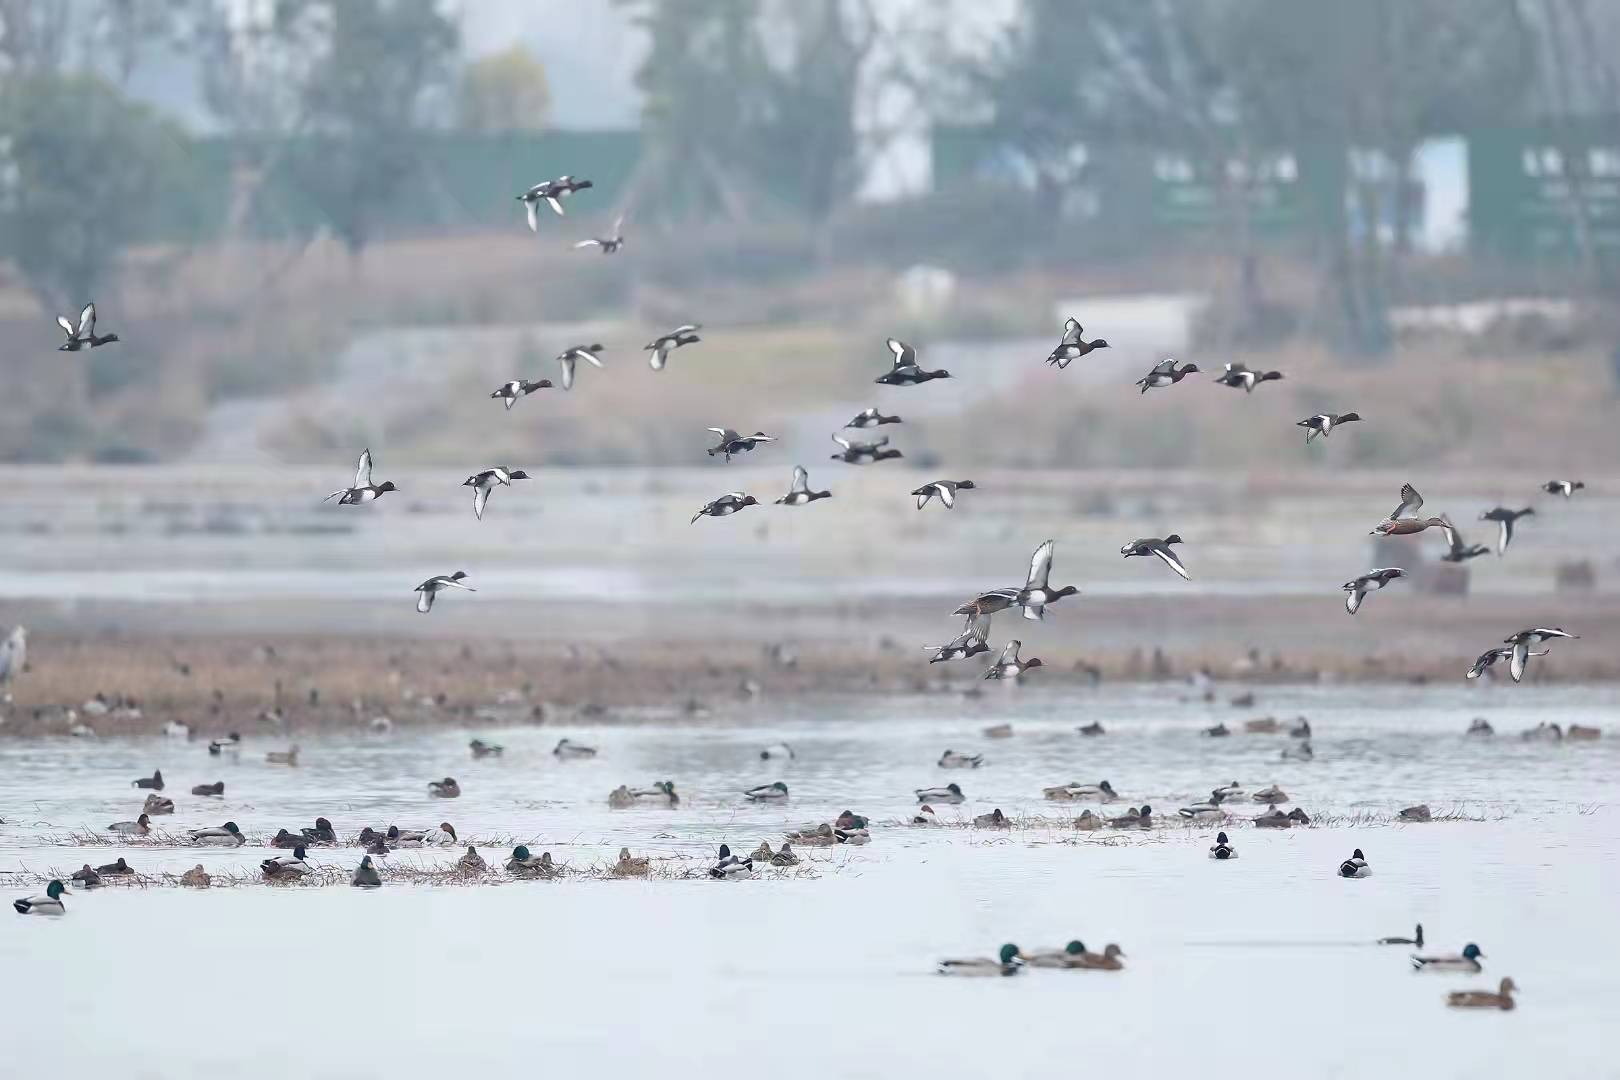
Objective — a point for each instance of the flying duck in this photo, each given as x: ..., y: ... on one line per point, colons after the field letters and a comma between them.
x: 1009, y: 666
x: 1484, y: 999
x: 49, y: 904
x: 1469, y: 961
x: 1457, y: 551
x: 1222, y: 849
x: 950, y: 793
x: 1490, y: 656
x: 729, y: 503
x: 987, y: 603
x: 1072, y: 347
x: 1355, y: 866
x: 1566, y: 488
x: 1165, y: 374
x: 863, y: 453
x: 434, y: 585
x: 364, y: 490
x: 1522, y: 641
x: 570, y: 357
x: 950, y: 759
x: 733, y: 443
x: 1154, y: 546
x: 1402, y: 520
x: 511, y: 391
x: 365, y: 875
x: 662, y: 345
x: 553, y: 192
x: 1323, y: 424
x: 1008, y: 963
x: 945, y: 489
x: 871, y: 417
x: 610, y: 243
x: 905, y: 371
x: 227, y: 835
x: 1238, y: 375
x: 776, y: 792
x: 1371, y: 581
x: 487, y: 481
x: 82, y: 336
x: 141, y: 826
x: 1504, y: 519
x: 285, y: 867
x: 970, y: 642
x: 151, y: 783
x: 1415, y: 939
x: 800, y: 492
x: 568, y: 748
x: 481, y: 749
x: 444, y: 789
x: 1037, y: 591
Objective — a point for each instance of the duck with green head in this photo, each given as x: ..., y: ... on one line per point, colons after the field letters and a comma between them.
x: 1055, y: 958
x: 365, y: 875
x: 1007, y: 963
x: 523, y: 864
x: 49, y: 904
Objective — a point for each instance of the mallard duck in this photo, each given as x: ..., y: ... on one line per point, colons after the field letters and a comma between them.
x: 482, y: 749
x: 1468, y: 960
x: 86, y: 878
x: 472, y: 862
x: 227, y: 835
x: 1087, y: 820
x: 1355, y: 866
x: 158, y: 805
x: 1415, y: 939
x: 282, y: 757
x: 285, y: 867
x: 620, y: 798
x: 1230, y: 791
x: 857, y: 836
x: 762, y: 853
x: 402, y: 838
x: 1415, y: 813
x: 444, y: 789
x: 49, y: 904
x: 1276, y: 819
x: 661, y: 794
x: 785, y: 856
x: 1054, y: 958
x: 998, y: 731
x: 1265, y: 725
x: 776, y: 792
x: 141, y: 826
x: 216, y: 788
x: 365, y: 875
x: 1209, y: 809
x: 950, y: 759
x: 924, y: 816
x: 1222, y: 850
x: 568, y: 748
x: 1484, y: 999
x: 821, y: 835
x: 950, y: 793
x: 232, y: 744
x: 1272, y: 794
x: 628, y: 867
x: 1133, y: 819
x: 116, y: 869
x: 196, y: 878
x: 523, y: 864
x: 1009, y: 964
x: 1108, y: 961
x: 993, y: 820
x: 1578, y: 731
x: 730, y: 867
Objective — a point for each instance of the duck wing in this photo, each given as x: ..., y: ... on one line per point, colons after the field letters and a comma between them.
x: 362, y: 470
x: 1504, y: 535
x: 1040, y: 566
x: 87, y: 320
x: 1411, y: 502
x: 1072, y: 332
x: 1163, y: 551
x: 1521, y: 652
x: 481, y: 492
x: 67, y: 327
x: 567, y: 362
x: 801, y: 481
x: 904, y: 355
x: 533, y: 206
x: 1009, y: 653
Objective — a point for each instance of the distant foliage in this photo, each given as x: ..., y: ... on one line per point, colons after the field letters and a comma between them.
x: 506, y: 91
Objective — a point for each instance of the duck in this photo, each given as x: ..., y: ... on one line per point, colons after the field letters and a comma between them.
x: 777, y: 751
x: 86, y: 878
x: 1165, y: 373
x: 1239, y: 376
x: 1484, y: 999
x: 1037, y: 592
x: 216, y: 788
x: 431, y: 588
x: 1088, y: 821
x: 800, y: 492
x: 1102, y: 792
x: 120, y: 868
x: 1092, y: 729
x: 857, y: 836
x: 1480, y: 726
x: 620, y: 798
x: 950, y: 759
x: 1457, y: 551
x: 524, y: 864
x: 285, y: 867
x: 993, y: 820
x: 570, y: 357
x: 487, y: 481
x: 1054, y: 958
x: 1415, y: 939
x: 905, y: 371
x: 83, y: 336
x: 662, y: 793
x: 365, y: 875
x: 1211, y: 808
x: 1566, y: 488
x: 950, y: 793
x: 1355, y: 866
x: 1415, y: 813
x: 776, y: 792
x: 784, y: 856
x: 196, y: 878
x: 1234, y: 790
x: 1302, y: 752
x: 1009, y: 666
x: 858, y: 452
x: 444, y: 789
x: 363, y: 491
x: 151, y: 783
x: 471, y: 862
x: 1579, y: 731
x: 729, y: 503
x: 1154, y: 546
x: 442, y: 836
x: 482, y: 749
x: 1485, y: 660
x: 998, y: 731
x: 141, y: 826
x: 1109, y: 960
x: 849, y: 819
x: 1133, y: 819
x: 1323, y: 424
x: 1468, y: 961
x: 283, y: 757
x: 730, y: 867
x: 231, y: 744
x: 552, y: 192
x: 987, y: 603
x: 319, y: 833
x: 49, y: 904
x: 609, y: 243
x: 227, y: 835
x: 158, y: 805
x: 822, y: 835
x: 1222, y: 849
x: 661, y: 346
x: 1504, y: 518
x: 1403, y: 521
x: 1300, y: 728
x: 509, y: 392
x: 400, y: 838
x: 569, y: 749
x: 1072, y: 346
x: 733, y: 443
x: 1522, y: 641
x: 1373, y: 580
x: 375, y: 845
x: 944, y: 490
x: 970, y: 642
x: 1008, y: 962
x: 871, y: 417
x: 1217, y: 731
x: 1543, y: 732
x: 924, y: 816
x: 285, y: 839
x: 1272, y: 794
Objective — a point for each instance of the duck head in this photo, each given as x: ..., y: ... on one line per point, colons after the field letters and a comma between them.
x: 516, y: 474
x: 624, y: 854
x: 519, y: 853
x: 230, y: 827
x: 1188, y: 368
x: 749, y: 500
x: 1075, y: 948
x: 55, y: 889
x: 965, y: 485
x: 1009, y: 953
x: 143, y: 820
x: 365, y: 862
x: 545, y: 859
x: 1100, y: 343
x: 298, y: 852
x: 1220, y: 838
x: 779, y: 786
x: 386, y: 485
x: 725, y: 852
x: 448, y: 829
x: 1113, y: 951
x: 1471, y: 951
x: 954, y: 789
x: 1173, y: 538
x: 1033, y: 662
x: 1357, y: 854
x: 1106, y: 786
x: 323, y: 825
x: 1147, y: 811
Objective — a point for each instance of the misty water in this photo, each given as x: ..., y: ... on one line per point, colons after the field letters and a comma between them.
x: 1265, y: 962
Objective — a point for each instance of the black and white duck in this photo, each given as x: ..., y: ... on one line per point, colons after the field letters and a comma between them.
x: 857, y: 452
x: 800, y: 492
x: 944, y: 490
x: 1504, y: 519
x: 1154, y: 546
x: 1166, y: 373
x: 363, y: 491
x: 1323, y: 424
x: 729, y: 503
x: 1073, y: 346
x: 970, y: 642
x: 487, y: 481
x: 905, y: 371
x: 84, y: 335
x: 1240, y: 376
x: 510, y: 392
x: 1520, y: 644
x: 1009, y: 666
x: 1566, y: 488
x: 1358, y: 588
x: 435, y: 585
x: 733, y: 443
x: 610, y: 243
x: 552, y: 192
x: 1037, y: 592
x: 871, y: 417
x: 570, y: 357
x: 662, y: 345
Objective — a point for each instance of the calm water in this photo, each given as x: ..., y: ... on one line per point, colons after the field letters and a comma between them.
x: 1255, y: 964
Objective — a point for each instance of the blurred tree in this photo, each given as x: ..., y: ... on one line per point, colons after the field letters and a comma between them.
x: 505, y: 91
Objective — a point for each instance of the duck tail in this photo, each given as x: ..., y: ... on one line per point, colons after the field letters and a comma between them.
x: 1417, y: 963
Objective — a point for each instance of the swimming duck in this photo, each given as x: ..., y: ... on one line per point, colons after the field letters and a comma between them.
x: 216, y: 788
x: 363, y: 491
x: 487, y: 481
x: 1037, y: 591
x: 524, y: 864
x: 628, y: 867
x: 86, y: 878
x: 1239, y: 376
x: 857, y: 452
x: 1415, y: 813
x: 776, y: 792
x: 139, y: 827
x: 871, y: 417
x: 1211, y: 808
x: 1355, y: 866
x: 472, y: 862
x: 1133, y: 819
x: 365, y: 875
x: 1543, y: 732
x: 1222, y: 850
x: 800, y: 492
x: 1234, y: 790
x: 1072, y: 347
x: 1092, y: 729
x: 610, y: 243
x: 1108, y: 961
x: 1009, y: 666
x: 83, y: 336
x: 570, y: 357
x: 568, y: 748
x: 1054, y: 958
x: 924, y: 816
x: 482, y: 749
x: 285, y: 839
x: 1265, y: 725
x: 620, y: 798
x: 443, y: 836
x: 153, y: 782
x: 662, y: 345
x: 1457, y: 551
x: 285, y: 867
x: 444, y: 789
x: 376, y: 844
x: 1088, y: 820
x: 1490, y: 656
x: 1415, y: 939
x: 993, y: 820
x: 1300, y: 729
x: 1469, y: 961
x: 1323, y: 424
x: 552, y: 192
x: 730, y: 867
x: 905, y: 371
x: 1009, y: 963
x: 116, y: 869
x: 1566, y: 488
x: 227, y: 835
x: 1484, y: 999
x: 1217, y: 731
x: 945, y: 490
x: 950, y: 759
x: 1272, y: 794
x: 509, y: 392
x: 1578, y: 731
x: 970, y: 642
x: 320, y: 833
x: 158, y: 805
x: 196, y: 878
x: 1165, y: 373
x: 1480, y: 726
x: 784, y: 856
x: 729, y: 503
x: 661, y: 793
x: 950, y: 793
x: 1522, y: 641
x: 777, y: 751
x: 857, y: 836
x: 1161, y: 548
x: 435, y: 585
x: 1504, y: 519
x: 49, y: 904
x: 733, y: 443
x: 1358, y: 588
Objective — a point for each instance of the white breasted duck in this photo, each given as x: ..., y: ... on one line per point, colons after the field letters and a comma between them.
x: 1151, y: 545
x: 487, y: 481
x: 950, y: 793
x: 510, y: 392
x: 1210, y: 808
x: 800, y: 492
x: 365, y: 875
x: 905, y: 371
x: 1489, y: 657
x: 1007, y: 962
x: 970, y: 642
x: 950, y: 759
x: 733, y: 443
x: 364, y: 491
x: 857, y: 452
x: 139, y: 827
x: 1037, y: 591
x: 730, y: 867
x: 609, y: 243
x: 1504, y: 519
x: 1566, y: 488
x: 1241, y: 377
x: 285, y: 867
x: 1468, y: 961
x: 84, y: 335
x: 1457, y: 551
x: 944, y: 490
x: 86, y: 878
x: 570, y: 357
x: 924, y: 816
x: 49, y: 904
x: 227, y: 835
x: 1355, y: 866
x: 435, y: 585
x: 1520, y: 644
x: 1222, y: 849
x: 1103, y: 792
x: 729, y: 503
x: 1372, y: 580
x: 552, y: 192
x: 524, y: 864
x: 1415, y: 939
x: 1166, y: 373
x: 1323, y: 424
x: 1073, y: 346
x: 231, y: 744
x: 662, y: 345
x: 871, y: 417
x: 444, y: 789
x: 1009, y: 666
x: 776, y: 792
x: 569, y: 749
